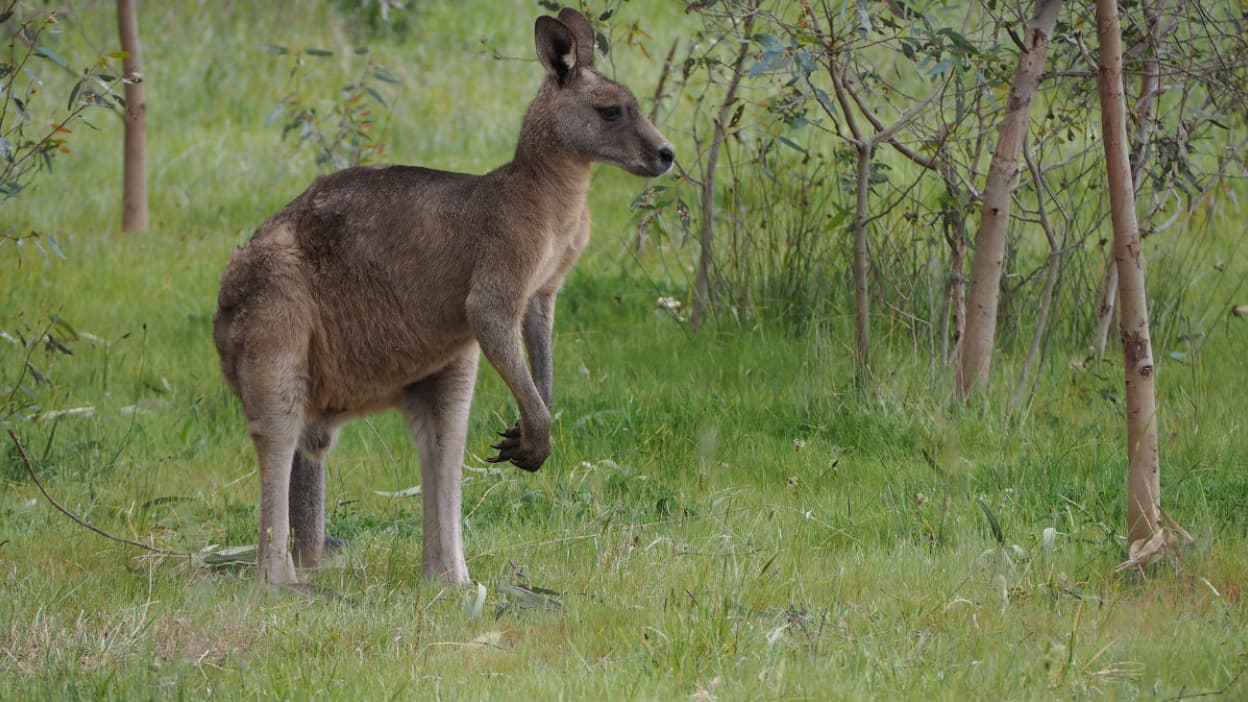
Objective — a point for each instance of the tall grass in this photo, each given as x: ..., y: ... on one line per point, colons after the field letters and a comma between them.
x: 723, y: 518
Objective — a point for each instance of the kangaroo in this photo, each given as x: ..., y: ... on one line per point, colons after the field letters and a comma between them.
x: 379, y: 287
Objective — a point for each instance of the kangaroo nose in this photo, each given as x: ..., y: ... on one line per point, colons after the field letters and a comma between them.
x: 666, y: 156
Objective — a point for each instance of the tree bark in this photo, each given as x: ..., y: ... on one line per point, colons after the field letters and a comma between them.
x: 134, y: 177
x: 1144, y: 472
x: 976, y: 358
x: 1145, y: 113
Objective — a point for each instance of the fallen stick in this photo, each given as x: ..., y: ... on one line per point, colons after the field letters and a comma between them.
x: 30, y: 470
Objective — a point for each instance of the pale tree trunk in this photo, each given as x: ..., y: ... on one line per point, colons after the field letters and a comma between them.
x: 134, y: 180
x: 1145, y: 535
x: 976, y: 358
x: 1145, y: 113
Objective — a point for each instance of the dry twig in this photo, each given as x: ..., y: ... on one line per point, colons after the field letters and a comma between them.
x: 30, y: 470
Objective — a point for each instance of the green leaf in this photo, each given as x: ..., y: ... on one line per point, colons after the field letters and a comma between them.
x: 318, y: 52
x: 40, y: 378
x: 73, y: 95
x: 44, y: 52
x: 375, y: 95
x: 825, y: 102
x: 992, y: 522
x: 804, y: 61
x: 768, y: 42
x: 385, y: 76
x: 60, y: 324
x: 791, y: 144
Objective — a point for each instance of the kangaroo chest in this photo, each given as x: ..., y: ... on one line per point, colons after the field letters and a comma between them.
x: 566, y: 240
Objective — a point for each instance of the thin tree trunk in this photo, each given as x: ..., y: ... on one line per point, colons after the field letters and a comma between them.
x: 1143, y: 477
x: 976, y: 358
x: 862, y: 265
x: 864, y: 144
x: 1052, y: 273
x: 134, y: 178
x: 1145, y: 113
x: 702, y: 285
x: 1105, y: 310
x: 957, y: 292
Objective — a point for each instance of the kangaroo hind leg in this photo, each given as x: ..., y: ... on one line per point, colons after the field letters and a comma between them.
x: 272, y: 394
x: 307, y: 492
x: 436, y: 409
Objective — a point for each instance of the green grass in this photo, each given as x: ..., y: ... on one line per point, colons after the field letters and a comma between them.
x: 724, y: 517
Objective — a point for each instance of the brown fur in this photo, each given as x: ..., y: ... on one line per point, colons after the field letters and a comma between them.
x: 375, y: 288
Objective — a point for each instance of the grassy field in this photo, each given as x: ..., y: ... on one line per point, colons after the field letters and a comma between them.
x: 723, y: 516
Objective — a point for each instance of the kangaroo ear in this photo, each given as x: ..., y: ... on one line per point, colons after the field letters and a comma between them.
x: 583, y: 32
x: 556, y: 47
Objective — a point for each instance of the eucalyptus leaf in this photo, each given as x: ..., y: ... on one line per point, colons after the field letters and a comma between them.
x: 45, y: 52
x: 409, y: 492
x: 214, y: 557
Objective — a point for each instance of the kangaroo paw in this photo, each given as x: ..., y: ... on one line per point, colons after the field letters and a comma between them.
x: 511, y: 439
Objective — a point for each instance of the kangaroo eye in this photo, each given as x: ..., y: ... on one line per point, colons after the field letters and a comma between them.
x: 610, y: 113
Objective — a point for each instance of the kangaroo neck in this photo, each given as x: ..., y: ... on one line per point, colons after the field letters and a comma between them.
x: 550, y: 169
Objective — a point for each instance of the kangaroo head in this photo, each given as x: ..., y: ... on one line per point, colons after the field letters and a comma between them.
x: 588, y: 114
